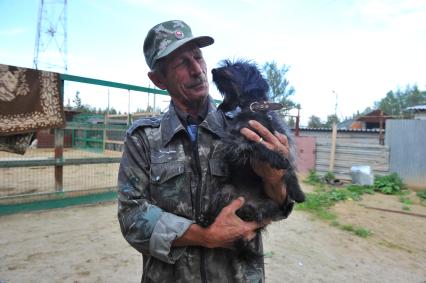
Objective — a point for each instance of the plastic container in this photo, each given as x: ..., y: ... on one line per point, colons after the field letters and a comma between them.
x: 361, y: 175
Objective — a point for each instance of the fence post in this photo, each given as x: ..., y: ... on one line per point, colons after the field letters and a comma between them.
x: 333, y: 148
x: 59, y: 150
x: 297, y: 122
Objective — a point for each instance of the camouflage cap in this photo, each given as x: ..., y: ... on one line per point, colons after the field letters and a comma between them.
x: 166, y: 37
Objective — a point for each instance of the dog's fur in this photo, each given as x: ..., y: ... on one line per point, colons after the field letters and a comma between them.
x: 241, y: 84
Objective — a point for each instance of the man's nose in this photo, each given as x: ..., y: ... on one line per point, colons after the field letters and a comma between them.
x: 196, y: 68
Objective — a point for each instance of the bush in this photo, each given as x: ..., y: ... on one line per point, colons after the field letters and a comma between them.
x: 389, y: 184
x: 312, y: 178
x: 422, y: 195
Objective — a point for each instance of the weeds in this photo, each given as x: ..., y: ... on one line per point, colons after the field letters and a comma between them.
x: 325, y: 196
x: 312, y: 178
x: 422, y: 196
x: 389, y: 184
x: 362, y: 232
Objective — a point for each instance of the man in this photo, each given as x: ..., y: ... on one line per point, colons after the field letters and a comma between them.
x: 170, y: 166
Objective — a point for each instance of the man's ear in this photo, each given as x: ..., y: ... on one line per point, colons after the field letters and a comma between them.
x: 158, y: 80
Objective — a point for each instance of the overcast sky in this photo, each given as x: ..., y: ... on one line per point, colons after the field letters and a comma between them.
x: 358, y: 50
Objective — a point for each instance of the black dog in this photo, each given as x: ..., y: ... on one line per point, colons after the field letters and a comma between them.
x: 245, y: 93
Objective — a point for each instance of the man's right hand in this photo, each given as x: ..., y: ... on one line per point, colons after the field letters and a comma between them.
x: 223, y: 232
x: 228, y: 227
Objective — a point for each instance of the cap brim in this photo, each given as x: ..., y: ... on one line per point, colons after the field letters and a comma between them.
x: 201, y: 41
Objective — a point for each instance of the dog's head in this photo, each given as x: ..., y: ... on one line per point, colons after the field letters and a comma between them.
x: 240, y: 83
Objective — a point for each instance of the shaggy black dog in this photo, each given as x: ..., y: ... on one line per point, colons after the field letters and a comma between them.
x: 245, y: 93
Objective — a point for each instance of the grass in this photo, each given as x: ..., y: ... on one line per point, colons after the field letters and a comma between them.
x: 326, y: 196
x: 422, y: 196
x: 323, y: 198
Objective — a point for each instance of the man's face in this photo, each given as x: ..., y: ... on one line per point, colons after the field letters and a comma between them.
x: 186, y: 76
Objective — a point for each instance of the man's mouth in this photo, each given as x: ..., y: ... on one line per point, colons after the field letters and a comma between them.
x: 197, y: 83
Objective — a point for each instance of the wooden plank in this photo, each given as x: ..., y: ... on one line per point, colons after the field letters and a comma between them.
x: 333, y: 147
x: 59, y: 151
x: 114, y: 142
x: 57, y: 162
x: 350, y: 145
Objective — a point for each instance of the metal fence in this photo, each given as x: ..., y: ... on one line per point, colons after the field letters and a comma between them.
x: 351, y: 154
x: 406, y: 138
x: 352, y: 148
x: 86, y: 163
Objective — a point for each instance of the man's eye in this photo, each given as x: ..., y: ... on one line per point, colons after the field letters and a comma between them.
x: 178, y: 64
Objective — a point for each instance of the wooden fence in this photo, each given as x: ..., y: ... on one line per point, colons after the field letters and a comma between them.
x: 351, y: 154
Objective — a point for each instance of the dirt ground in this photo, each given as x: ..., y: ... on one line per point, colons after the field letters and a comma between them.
x: 84, y: 244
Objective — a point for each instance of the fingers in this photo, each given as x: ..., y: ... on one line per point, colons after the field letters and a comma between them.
x: 236, y: 204
x: 263, y: 132
x: 282, y: 138
x: 284, y: 141
x: 250, y: 135
x: 277, y: 142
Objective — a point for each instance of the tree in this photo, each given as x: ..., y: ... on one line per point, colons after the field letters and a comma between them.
x: 396, y: 102
x: 330, y: 120
x: 291, y: 123
x: 77, y: 100
x: 280, y: 91
x: 314, y: 122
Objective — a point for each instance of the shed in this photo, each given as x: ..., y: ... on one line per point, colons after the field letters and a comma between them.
x: 373, y: 119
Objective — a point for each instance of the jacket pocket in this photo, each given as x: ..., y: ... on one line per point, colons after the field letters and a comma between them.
x: 170, y: 187
x: 219, y: 173
x: 218, y: 168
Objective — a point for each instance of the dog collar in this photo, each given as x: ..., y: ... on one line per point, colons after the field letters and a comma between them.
x: 264, y: 106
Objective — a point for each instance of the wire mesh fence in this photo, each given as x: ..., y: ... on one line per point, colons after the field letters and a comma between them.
x: 82, y: 158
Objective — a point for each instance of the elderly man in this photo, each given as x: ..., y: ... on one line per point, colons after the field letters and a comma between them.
x: 170, y: 164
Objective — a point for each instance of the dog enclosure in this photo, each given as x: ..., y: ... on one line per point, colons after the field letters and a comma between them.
x: 78, y: 162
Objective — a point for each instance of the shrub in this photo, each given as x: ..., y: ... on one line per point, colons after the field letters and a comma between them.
x: 312, y: 178
x: 362, y: 232
x: 389, y: 184
x: 422, y: 195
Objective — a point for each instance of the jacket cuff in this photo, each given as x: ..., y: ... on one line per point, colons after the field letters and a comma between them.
x: 166, y: 230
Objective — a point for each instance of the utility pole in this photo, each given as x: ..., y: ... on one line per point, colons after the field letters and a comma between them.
x: 335, y: 106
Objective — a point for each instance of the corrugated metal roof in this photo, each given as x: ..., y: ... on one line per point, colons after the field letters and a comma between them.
x: 342, y: 130
x: 417, y: 108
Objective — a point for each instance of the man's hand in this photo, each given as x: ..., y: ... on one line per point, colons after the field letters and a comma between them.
x: 223, y: 232
x: 272, y: 177
x: 228, y: 227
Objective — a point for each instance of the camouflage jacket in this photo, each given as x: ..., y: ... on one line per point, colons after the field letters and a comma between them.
x: 164, y: 186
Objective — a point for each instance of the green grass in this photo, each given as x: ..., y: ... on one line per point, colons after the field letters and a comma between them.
x: 362, y: 232
x: 325, y: 196
x: 422, y: 196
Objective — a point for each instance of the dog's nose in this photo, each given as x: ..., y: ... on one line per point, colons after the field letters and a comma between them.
x: 214, y: 71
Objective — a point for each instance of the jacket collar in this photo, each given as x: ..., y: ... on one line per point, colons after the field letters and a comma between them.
x: 171, y: 124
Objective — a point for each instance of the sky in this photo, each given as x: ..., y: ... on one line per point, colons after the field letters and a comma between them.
x: 350, y: 51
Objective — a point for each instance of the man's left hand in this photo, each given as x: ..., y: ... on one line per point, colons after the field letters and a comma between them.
x: 272, y: 177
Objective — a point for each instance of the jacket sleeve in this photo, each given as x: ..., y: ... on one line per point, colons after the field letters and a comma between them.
x: 145, y: 226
